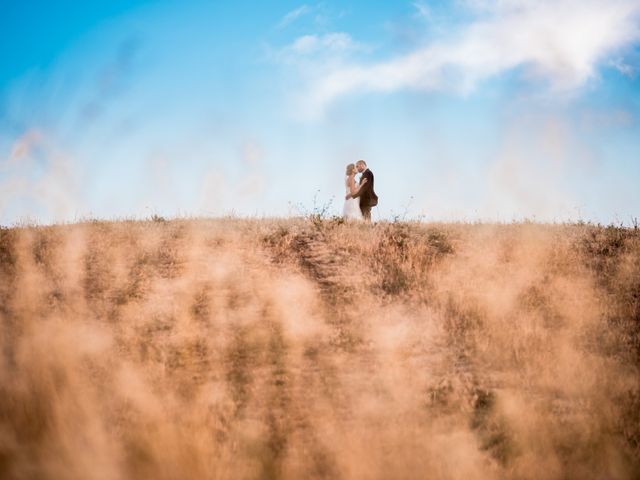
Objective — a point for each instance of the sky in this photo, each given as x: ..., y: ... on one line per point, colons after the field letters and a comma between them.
x: 466, y: 110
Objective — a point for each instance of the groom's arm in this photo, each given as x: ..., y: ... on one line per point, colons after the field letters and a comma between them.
x: 364, y: 188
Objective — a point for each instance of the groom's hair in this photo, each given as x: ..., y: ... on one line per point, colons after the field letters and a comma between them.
x: 362, y: 162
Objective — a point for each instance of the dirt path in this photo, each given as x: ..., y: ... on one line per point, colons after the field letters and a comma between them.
x: 396, y: 369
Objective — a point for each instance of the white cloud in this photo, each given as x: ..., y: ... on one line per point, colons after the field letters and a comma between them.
x: 294, y: 15
x: 304, y: 44
x: 560, y: 42
x: 624, y: 68
x: 422, y: 9
x: 333, y: 43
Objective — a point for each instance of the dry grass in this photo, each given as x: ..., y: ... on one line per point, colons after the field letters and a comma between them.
x: 317, y: 349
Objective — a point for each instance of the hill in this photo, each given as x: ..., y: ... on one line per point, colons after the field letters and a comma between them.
x: 300, y: 348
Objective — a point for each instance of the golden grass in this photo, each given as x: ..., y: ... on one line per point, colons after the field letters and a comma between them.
x: 317, y: 349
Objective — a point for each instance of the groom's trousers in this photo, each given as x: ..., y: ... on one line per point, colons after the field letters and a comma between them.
x: 366, y: 212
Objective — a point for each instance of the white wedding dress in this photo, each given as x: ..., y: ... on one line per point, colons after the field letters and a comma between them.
x: 351, y: 209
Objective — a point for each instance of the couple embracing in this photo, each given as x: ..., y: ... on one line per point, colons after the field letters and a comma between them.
x: 360, y: 197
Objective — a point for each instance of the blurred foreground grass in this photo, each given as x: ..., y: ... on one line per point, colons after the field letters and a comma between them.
x: 318, y: 349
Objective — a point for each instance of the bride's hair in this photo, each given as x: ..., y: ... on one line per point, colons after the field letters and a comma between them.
x: 350, y: 168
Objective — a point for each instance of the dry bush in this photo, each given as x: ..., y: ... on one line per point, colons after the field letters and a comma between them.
x: 319, y: 349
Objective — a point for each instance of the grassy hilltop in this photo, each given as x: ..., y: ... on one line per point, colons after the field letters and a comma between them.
x: 247, y: 349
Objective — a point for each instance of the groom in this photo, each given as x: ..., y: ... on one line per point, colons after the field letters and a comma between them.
x: 368, y: 197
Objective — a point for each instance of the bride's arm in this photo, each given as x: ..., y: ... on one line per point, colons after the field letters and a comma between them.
x: 356, y: 189
x: 353, y: 189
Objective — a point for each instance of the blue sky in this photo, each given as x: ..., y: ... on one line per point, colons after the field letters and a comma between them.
x: 464, y: 110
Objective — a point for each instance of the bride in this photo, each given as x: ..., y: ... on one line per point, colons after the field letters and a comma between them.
x: 351, y: 209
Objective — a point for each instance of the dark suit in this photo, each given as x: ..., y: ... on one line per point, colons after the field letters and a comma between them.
x: 368, y: 197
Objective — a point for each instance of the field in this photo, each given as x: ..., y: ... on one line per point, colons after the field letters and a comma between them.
x: 310, y: 348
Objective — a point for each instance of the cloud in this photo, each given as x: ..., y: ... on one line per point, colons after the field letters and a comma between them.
x: 623, y: 67
x: 560, y: 42
x: 334, y: 44
x: 422, y: 10
x: 293, y: 15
